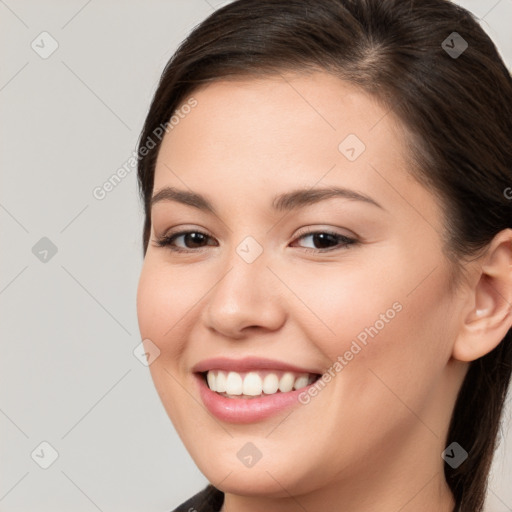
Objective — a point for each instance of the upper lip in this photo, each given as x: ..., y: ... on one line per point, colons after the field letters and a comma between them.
x: 247, y: 364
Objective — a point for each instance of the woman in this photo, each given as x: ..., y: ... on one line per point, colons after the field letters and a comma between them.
x: 327, y: 247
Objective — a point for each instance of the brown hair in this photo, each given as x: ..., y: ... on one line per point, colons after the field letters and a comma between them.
x: 456, y: 108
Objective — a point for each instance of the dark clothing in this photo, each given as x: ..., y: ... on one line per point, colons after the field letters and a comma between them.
x: 209, y: 499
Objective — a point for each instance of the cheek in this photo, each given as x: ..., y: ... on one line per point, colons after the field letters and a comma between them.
x: 152, y: 315
x: 163, y: 301
x: 165, y: 298
x: 380, y: 323
x: 348, y: 303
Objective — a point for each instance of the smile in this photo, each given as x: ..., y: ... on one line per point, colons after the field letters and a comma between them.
x: 251, y: 389
x: 252, y: 384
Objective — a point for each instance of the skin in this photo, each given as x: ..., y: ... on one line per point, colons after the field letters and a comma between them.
x: 372, y: 439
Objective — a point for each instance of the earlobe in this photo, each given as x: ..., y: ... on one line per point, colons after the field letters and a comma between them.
x: 489, y: 317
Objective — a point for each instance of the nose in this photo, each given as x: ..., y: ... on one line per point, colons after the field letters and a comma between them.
x: 246, y: 296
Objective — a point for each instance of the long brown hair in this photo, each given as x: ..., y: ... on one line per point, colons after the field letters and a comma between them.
x: 434, y: 67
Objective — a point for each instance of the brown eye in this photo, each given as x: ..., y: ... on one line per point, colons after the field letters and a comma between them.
x: 327, y: 240
x: 194, y: 238
x: 191, y: 239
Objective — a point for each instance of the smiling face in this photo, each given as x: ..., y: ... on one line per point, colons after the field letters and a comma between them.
x: 365, y: 297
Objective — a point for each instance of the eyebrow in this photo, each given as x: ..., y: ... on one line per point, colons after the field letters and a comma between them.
x: 283, y: 202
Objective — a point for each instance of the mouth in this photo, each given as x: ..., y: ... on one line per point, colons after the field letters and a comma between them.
x: 251, y: 389
x: 256, y: 384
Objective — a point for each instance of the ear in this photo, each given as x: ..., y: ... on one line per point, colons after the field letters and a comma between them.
x: 488, y: 313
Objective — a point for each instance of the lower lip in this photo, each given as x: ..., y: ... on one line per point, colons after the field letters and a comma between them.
x: 246, y: 410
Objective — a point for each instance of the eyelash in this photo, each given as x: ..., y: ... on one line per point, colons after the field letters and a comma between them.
x: 343, y: 241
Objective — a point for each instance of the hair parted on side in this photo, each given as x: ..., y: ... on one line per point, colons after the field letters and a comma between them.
x: 457, y: 113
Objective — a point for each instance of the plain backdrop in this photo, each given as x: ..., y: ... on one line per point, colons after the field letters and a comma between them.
x: 71, y: 262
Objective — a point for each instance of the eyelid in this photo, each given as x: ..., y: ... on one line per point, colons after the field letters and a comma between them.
x: 186, y: 229
x: 333, y: 231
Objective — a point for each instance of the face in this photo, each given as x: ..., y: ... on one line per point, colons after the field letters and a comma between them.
x: 278, y: 282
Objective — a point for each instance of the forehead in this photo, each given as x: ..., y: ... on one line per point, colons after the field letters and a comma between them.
x: 286, y: 114
x: 265, y: 135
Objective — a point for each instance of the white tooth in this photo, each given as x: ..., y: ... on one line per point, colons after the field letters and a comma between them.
x: 270, y: 383
x: 301, y: 382
x: 234, y: 384
x: 286, y: 382
x: 220, y: 382
x: 210, y: 377
x: 252, y: 384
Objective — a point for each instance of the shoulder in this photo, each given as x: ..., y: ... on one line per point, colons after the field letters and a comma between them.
x: 210, y: 499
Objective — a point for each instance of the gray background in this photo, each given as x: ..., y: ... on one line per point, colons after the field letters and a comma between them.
x: 69, y: 326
